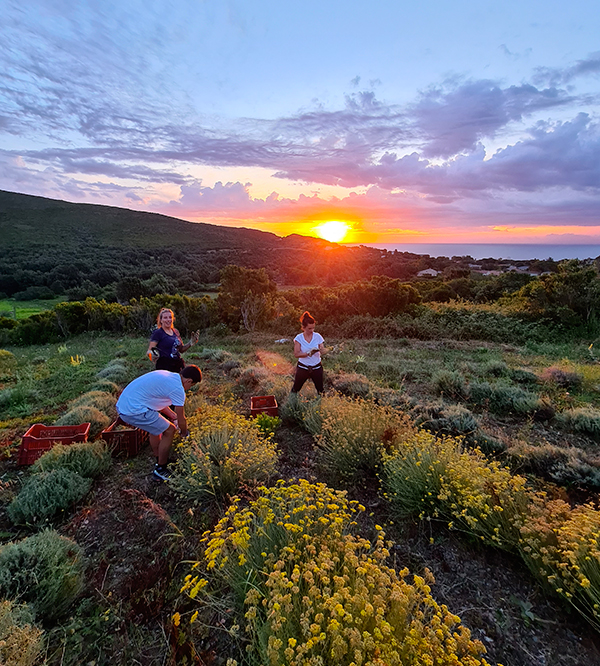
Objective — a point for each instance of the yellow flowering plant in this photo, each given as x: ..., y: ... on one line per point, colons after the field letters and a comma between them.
x: 311, y: 592
x: 354, y: 435
x: 224, y: 451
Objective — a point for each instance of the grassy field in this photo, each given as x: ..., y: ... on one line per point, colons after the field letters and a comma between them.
x: 23, y: 309
x: 132, y: 612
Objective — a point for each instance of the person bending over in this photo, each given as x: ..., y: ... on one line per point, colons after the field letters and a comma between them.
x: 308, y: 348
x: 145, y: 402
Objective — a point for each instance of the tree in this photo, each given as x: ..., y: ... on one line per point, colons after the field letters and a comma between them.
x: 246, y: 296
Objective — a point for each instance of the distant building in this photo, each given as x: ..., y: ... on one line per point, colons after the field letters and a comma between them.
x: 428, y: 272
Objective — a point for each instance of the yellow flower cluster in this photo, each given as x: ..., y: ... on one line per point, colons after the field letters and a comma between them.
x: 562, y: 545
x: 437, y: 478
x: 312, y: 593
x: 224, y: 452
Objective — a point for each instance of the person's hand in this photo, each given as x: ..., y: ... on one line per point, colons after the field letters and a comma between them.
x: 194, y: 338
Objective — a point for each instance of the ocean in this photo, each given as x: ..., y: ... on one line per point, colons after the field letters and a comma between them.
x: 482, y: 251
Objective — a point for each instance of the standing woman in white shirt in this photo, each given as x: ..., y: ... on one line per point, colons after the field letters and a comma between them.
x: 308, y: 347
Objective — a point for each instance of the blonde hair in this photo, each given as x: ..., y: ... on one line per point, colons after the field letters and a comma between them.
x: 160, y: 314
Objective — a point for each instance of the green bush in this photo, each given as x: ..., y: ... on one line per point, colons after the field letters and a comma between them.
x: 304, y: 411
x: 8, y: 365
x: 567, y: 466
x: 583, y: 420
x: 496, y: 369
x: 451, y: 384
x: 104, y: 402
x: 353, y: 385
x: 445, y: 419
x: 224, y: 452
x: 21, y: 641
x: 45, y: 570
x: 83, y: 414
x: 18, y: 400
x: 88, y: 459
x: 115, y: 372
x: 267, y: 424
x: 522, y: 376
x: 502, y: 399
x: 106, y: 386
x: 47, y: 494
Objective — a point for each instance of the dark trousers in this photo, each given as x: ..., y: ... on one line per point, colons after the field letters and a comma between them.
x: 170, y: 364
x: 303, y: 373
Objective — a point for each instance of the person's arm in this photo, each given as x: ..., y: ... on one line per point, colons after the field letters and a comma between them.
x: 181, y: 420
x: 193, y: 340
x: 298, y: 353
x: 170, y: 414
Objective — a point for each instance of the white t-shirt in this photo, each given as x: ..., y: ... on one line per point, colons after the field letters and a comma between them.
x: 305, y: 347
x: 154, y: 390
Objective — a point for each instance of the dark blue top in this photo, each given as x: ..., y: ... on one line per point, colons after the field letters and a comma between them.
x: 167, y: 345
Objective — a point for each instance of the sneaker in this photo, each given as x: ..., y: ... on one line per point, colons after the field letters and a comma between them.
x: 162, y: 472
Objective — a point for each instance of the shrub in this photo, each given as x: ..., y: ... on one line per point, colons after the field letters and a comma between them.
x: 224, y: 451
x: 20, y: 640
x: 562, y: 378
x: 303, y: 411
x: 522, y: 376
x: 88, y: 459
x: 567, y: 466
x: 353, y: 385
x: 18, y: 399
x: 84, y: 414
x: 496, y: 369
x: 451, y: 384
x: 446, y: 419
x: 313, y: 593
x: 353, y: 436
x: 104, y: 402
x: 115, y: 372
x: 583, y: 420
x: 45, y: 570
x: 389, y: 372
x: 217, y: 355
x: 503, y: 399
x: 47, y: 494
x: 8, y: 365
x: 436, y: 477
x: 267, y: 424
x: 252, y: 377
x: 106, y: 386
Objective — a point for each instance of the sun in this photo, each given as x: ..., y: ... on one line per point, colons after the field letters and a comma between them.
x: 334, y: 230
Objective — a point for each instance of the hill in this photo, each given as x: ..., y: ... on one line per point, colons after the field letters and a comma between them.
x: 27, y: 220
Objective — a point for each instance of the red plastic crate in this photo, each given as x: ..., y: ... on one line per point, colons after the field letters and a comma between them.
x: 263, y: 404
x: 127, y: 440
x: 41, y: 438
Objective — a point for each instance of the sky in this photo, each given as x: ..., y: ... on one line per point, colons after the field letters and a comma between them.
x: 408, y: 122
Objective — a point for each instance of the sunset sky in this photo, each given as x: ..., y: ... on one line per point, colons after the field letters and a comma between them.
x: 425, y: 122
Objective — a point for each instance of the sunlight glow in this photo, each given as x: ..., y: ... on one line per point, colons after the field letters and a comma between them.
x: 333, y: 231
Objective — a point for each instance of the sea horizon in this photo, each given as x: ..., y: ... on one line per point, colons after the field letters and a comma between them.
x: 512, y: 251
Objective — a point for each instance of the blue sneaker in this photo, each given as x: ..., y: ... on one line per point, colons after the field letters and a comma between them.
x: 162, y: 472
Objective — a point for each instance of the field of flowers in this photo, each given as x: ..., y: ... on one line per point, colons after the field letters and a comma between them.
x: 234, y: 562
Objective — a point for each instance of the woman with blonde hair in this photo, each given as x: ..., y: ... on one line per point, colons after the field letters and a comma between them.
x: 166, y: 346
x: 308, y: 348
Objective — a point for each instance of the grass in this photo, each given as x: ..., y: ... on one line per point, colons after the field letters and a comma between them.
x: 48, y: 373
x: 23, y: 309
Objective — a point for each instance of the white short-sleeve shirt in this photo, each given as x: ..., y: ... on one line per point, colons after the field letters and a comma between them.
x: 305, y: 347
x: 154, y: 390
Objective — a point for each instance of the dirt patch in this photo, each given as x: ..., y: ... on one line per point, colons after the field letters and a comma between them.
x: 275, y: 363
